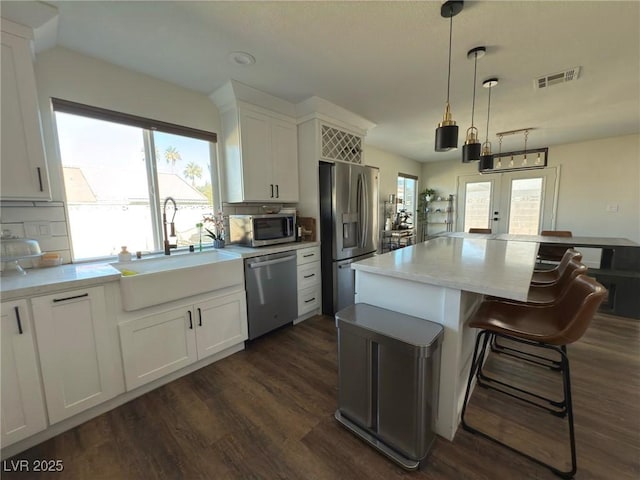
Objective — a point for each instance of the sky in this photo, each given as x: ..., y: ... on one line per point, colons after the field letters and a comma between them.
x: 90, y: 142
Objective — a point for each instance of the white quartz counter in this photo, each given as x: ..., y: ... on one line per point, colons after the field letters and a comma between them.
x: 41, y: 281
x: 478, y: 265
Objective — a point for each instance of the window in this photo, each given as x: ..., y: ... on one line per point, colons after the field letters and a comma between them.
x: 112, y: 166
x: 406, y: 197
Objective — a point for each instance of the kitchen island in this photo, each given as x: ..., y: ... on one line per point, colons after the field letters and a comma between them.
x: 444, y: 280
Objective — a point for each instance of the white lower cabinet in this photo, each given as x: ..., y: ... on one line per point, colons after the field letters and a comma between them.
x: 309, y: 281
x: 23, y: 412
x: 157, y: 344
x: 79, y: 370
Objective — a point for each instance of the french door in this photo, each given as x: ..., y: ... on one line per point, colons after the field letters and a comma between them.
x: 509, y: 202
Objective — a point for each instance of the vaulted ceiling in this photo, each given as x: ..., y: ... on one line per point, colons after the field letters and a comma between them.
x: 387, y: 60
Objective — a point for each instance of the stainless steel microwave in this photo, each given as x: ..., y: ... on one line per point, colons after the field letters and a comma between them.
x: 261, y: 230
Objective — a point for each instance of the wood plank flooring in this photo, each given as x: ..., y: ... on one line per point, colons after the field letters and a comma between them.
x: 267, y: 413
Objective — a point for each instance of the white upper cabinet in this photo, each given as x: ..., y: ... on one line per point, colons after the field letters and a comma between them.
x: 260, y: 145
x: 24, y: 173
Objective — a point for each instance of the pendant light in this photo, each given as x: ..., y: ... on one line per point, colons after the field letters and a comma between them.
x: 486, y: 159
x: 471, y: 147
x: 447, y: 131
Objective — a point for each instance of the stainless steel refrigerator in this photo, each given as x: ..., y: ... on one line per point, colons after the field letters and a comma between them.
x: 348, y: 228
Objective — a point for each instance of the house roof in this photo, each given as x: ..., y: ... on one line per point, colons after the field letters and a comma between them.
x: 109, y: 185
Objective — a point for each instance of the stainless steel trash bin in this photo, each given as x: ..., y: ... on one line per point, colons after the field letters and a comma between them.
x: 388, y: 377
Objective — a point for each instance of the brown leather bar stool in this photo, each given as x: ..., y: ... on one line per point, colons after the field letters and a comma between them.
x: 479, y: 230
x: 548, y: 277
x: 553, y: 253
x: 541, y: 295
x: 551, y: 327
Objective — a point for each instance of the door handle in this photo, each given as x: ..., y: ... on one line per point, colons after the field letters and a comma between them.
x: 40, y: 179
x: 55, y: 300
x: 17, y: 310
x: 199, y: 317
x: 190, y: 320
x: 346, y: 265
x: 277, y: 191
x: 309, y: 276
x: 271, y: 190
x: 270, y: 262
x: 495, y: 219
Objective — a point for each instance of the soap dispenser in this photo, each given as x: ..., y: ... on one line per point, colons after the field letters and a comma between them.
x: 124, y: 255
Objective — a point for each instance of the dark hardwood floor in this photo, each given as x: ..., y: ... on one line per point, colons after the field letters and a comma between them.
x: 267, y: 413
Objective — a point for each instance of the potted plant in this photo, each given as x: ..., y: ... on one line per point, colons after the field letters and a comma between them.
x: 428, y: 194
x: 216, y: 233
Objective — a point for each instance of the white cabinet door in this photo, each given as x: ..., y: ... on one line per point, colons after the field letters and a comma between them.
x: 265, y: 151
x: 256, y: 156
x: 22, y: 404
x: 23, y: 169
x: 221, y: 323
x: 284, y: 151
x: 156, y: 345
x: 78, y: 369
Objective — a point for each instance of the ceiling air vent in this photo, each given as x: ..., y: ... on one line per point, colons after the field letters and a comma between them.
x: 552, y: 79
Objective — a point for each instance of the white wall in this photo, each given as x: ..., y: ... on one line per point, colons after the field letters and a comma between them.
x: 390, y: 165
x: 593, y: 175
x: 73, y: 76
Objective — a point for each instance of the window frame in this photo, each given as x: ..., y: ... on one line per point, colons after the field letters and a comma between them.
x: 148, y: 127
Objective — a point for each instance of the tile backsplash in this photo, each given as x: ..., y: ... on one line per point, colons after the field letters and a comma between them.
x: 42, y: 221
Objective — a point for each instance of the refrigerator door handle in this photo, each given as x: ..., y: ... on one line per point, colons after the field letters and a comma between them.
x: 365, y: 203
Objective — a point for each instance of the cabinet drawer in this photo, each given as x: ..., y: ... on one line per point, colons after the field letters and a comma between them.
x: 309, y: 299
x: 308, y: 275
x: 308, y: 255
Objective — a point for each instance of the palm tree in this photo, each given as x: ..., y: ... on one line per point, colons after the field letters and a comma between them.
x: 172, y: 155
x: 192, y: 171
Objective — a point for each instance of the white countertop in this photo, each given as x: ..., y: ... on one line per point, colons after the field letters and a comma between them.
x: 596, y: 242
x: 479, y: 265
x: 41, y: 281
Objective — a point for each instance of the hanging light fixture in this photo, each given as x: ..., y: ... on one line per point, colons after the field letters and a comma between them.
x: 447, y: 131
x: 486, y: 159
x: 471, y: 148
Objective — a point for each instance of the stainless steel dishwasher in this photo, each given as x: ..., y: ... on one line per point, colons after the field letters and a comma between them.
x: 272, y: 293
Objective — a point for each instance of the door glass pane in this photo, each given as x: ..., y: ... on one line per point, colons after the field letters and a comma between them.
x: 524, y: 206
x: 106, y: 186
x: 184, y: 173
x: 477, y: 205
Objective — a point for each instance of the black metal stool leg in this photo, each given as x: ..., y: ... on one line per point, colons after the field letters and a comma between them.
x: 476, y: 369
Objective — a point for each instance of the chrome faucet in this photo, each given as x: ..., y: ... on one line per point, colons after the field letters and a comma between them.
x: 167, y: 245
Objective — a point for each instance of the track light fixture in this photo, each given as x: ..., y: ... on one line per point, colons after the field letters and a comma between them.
x: 471, y: 148
x: 447, y: 131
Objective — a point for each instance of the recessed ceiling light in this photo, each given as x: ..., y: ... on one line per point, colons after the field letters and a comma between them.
x: 242, y: 58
